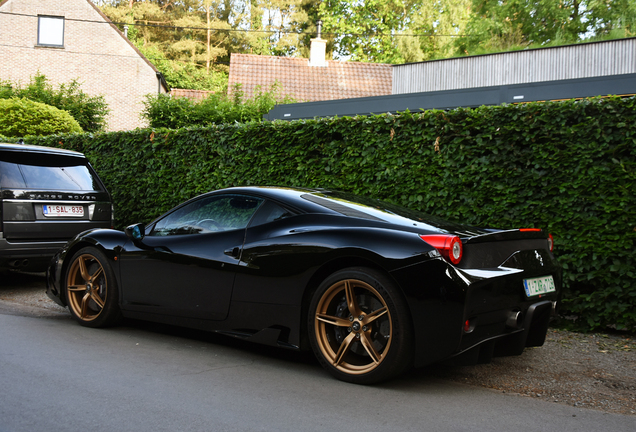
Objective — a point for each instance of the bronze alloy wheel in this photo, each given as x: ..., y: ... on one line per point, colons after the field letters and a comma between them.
x: 353, y: 327
x: 87, y: 287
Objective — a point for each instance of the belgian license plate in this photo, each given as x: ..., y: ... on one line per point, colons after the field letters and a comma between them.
x: 540, y: 285
x: 63, y: 211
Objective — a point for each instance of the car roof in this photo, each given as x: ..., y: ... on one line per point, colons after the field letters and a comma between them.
x: 288, y: 195
x: 38, y: 149
x: 312, y: 200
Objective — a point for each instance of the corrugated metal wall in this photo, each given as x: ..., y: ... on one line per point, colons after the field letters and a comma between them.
x: 547, y: 64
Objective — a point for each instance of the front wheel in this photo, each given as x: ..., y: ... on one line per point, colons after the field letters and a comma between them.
x: 359, y: 327
x: 91, y: 289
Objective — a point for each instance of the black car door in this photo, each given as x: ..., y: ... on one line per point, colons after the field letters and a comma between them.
x: 186, y: 264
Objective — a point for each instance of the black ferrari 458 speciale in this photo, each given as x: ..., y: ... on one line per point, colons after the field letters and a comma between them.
x: 372, y: 288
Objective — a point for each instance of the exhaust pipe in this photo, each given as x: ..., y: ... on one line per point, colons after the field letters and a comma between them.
x: 16, y: 264
x: 514, y: 319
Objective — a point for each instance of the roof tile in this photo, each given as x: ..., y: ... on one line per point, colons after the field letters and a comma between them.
x: 337, y: 80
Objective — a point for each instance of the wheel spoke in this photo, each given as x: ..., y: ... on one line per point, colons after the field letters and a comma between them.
x: 344, y: 348
x: 97, y: 299
x: 77, y: 287
x: 352, y: 301
x: 368, y: 346
x: 369, y: 318
x: 340, y: 322
x: 96, y: 274
x: 84, y: 305
x: 83, y: 270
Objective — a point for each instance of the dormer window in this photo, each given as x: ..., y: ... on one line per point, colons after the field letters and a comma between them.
x: 51, y: 31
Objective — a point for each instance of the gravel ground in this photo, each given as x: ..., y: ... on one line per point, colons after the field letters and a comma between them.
x: 596, y: 371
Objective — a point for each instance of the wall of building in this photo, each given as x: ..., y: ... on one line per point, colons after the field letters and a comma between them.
x: 94, y: 53
x: 588, y: 60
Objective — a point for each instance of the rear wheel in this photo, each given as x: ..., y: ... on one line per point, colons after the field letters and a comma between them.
x: 359, y: 327
x: 91, y: 289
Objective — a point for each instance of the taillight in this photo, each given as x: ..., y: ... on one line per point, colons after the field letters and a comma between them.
x: 449, y: 246
x: 550, y: 239
x: 469, y: 325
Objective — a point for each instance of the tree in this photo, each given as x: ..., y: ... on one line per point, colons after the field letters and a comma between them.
x: 181, y: 38
x: 433, y: 29
x: 499, y: 25
x: 363, y: 30
x: 283, y: 20
x: 190, y: 41
x: 613, y: 18
x: 393, y: 31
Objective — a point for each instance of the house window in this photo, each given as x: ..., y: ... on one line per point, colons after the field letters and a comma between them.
x: 51, y: 31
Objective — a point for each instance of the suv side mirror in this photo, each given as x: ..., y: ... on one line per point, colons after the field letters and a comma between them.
x: 136, y: 232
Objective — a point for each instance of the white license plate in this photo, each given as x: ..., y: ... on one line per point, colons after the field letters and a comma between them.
x: 63, y: 211
x: 540, y: 285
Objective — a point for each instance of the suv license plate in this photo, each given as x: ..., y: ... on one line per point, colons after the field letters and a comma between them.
x: 540, y: 285
x: 62, y: 211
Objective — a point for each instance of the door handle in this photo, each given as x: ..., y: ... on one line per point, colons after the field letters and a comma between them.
x: 234, y: 252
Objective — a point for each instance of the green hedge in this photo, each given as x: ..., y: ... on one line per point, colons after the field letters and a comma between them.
x: 568, y: 166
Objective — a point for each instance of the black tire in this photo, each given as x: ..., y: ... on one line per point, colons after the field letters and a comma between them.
x: 360, y: 327
x: 91, y: 289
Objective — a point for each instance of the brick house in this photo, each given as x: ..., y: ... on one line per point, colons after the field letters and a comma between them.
x: 313, y: 79
x: 73, y: 39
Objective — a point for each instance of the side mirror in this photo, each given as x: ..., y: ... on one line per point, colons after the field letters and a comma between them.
x: 136, y: 232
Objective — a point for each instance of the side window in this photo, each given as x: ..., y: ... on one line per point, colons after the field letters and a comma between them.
x: 10, y: 176
x: 210, y: 214
x: 269, y: 212
x: 51, y: 31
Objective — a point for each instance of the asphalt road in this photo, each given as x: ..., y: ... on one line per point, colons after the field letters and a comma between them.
x: 58, y: 376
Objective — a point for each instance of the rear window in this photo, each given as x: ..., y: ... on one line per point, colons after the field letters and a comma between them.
x: 46, y: 172
x: 374, y: 209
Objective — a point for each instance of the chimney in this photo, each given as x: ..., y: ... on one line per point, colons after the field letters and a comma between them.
x: 318, y: 49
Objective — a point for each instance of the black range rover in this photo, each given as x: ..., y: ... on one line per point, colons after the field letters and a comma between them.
x: 47, y: 195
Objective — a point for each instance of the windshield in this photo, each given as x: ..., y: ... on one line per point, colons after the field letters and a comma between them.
x: 52, y: 173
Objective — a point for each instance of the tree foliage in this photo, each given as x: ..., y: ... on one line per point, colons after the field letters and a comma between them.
x: 191, y: 40
x: 90, y: 112
x: 362, y: 29
x: 614, y: 18
x: 433, y: 28
x: 178, y: 38
x: 500, y: 25
x: 20, y: 117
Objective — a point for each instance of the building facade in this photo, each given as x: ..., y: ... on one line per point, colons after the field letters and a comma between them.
x: 569, y: 62
x: 554, y: 73
x: 67, y: 40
